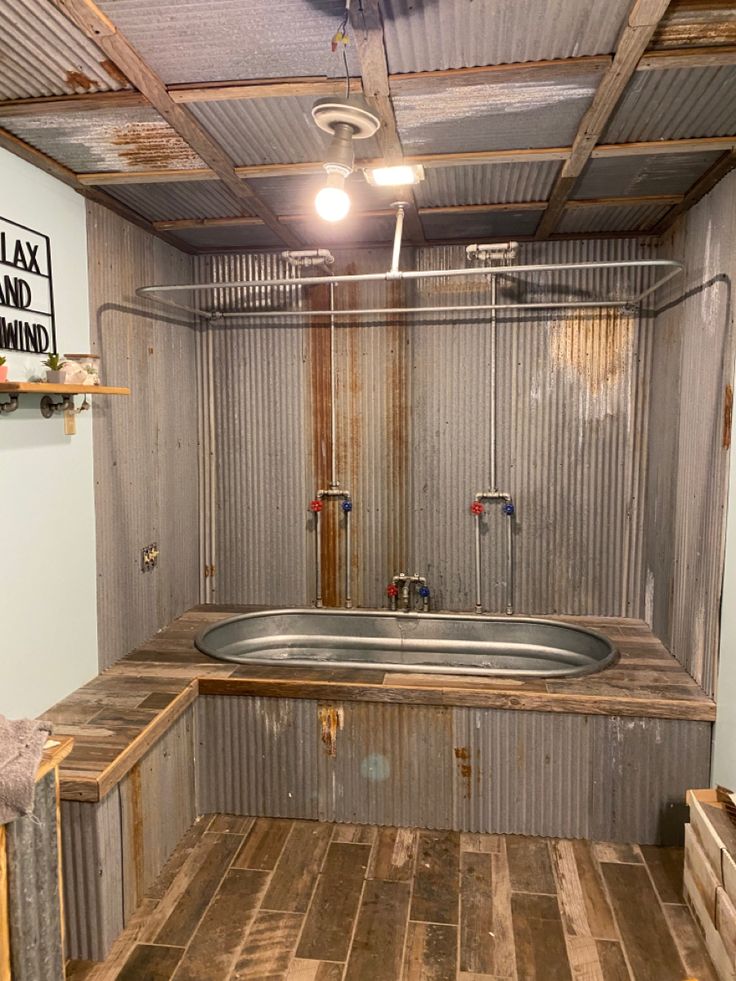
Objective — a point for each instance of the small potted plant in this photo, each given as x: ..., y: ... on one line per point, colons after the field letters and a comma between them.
x: 54, y: 364
x: 3, y: 369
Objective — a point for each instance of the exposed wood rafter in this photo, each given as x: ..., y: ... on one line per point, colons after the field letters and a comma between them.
x: 90, y: 19
x: 367, y: 31
x: 642, y: 22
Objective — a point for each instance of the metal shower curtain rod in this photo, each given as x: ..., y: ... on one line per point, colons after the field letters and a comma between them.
x: 671, y: 267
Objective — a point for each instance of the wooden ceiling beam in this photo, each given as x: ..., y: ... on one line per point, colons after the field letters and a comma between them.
x: 713, y: 57
x: 99, y: 28
x: 52, y: 167
x: 367, y: 33
x: 724, y: 165
x: 175, y: 224
x: 641, y: 24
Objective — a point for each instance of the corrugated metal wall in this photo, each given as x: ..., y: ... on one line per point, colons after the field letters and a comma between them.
x: 413, y: 439
x: 145, y: 446
x: 480, y: 770
x: 693, y: 361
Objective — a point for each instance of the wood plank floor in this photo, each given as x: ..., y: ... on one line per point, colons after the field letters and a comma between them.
x: 268, y: 899
x: 115, y: 718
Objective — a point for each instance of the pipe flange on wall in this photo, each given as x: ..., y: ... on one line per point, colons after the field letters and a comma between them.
x: 10, y: 406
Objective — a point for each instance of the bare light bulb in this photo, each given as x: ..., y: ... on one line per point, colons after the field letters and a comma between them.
x: 332, y: 203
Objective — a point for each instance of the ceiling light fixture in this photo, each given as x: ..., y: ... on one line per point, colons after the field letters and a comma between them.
x: 345, y: 120
x: 400, y: 175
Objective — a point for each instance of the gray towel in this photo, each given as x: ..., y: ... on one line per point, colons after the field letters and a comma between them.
x: 21, y: 746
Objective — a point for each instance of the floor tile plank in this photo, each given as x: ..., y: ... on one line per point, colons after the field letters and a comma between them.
x: 612, y: 961
x: 393, y: 855
x: 435, y: 897
x: 597, y: 907
x: 530, y: 865
x: 212, y: 952
x: 648, y: 943
x: 378, y: 944
x: 295, y: 875
x: 613, y: 851
x: 264, y: 844
x: 329, y: 923
x: 302, y: 970
x: 231, y: 824
x: 269, y: 946
x: 690, y: 943
x: 150, y: 962
x: 476, y: 913
x: 430, y: 953
x: 359, y: 834
x: 541, y: 953
x: 181, y: 923
x: 665, y: 867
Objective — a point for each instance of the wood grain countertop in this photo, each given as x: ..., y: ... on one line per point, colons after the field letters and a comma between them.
x: 115, y: 718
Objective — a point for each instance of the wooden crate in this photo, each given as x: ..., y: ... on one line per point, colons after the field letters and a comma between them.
x: 710, y: 878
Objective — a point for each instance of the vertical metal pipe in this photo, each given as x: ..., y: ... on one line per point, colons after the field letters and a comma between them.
x: 397, y: 238
x: 348, y: 597
x: 478, y: 604
x: 510, y: 566
x: 492, y: 474
x: 333, y: 391
x: 317, y: 560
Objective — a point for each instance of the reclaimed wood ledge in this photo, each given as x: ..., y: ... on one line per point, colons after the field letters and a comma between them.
x: 117, y: 717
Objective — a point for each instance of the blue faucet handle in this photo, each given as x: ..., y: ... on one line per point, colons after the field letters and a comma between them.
x: 509, y: 508
x: 347, y: 506
x: 424, y: 591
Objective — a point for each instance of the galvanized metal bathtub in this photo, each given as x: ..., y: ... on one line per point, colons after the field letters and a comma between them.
x: 442, y: 643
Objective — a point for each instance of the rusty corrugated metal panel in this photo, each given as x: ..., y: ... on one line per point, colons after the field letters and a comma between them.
x: 36, y: 948
x: 629, y: 218
x: 688, y: 464
x: 178, y: 199
x: 205, y: 41
x: 483, y: 183
x: 413, y: 439
x: 539, y: 111
x: 145, y: 447
x: 274, y: 130
x: 463, y: 33
x: 696, y: 23
x: 676, y: 104
x: 656, y: 173
x: 45, y: 54
x: 106, y: 139
x: 480, y: 770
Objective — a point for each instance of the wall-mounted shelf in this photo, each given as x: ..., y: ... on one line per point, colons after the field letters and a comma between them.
x: 50, y: 407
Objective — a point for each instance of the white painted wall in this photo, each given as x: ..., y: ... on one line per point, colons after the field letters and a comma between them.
x: 724, y: 755
x: 48, y: 621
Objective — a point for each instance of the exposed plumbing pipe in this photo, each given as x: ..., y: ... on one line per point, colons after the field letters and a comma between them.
x: 673, y: 266
x: 401, y: 585
x: 509, y: 510
x: 396, y: 254
x: 308, y: 257
x: 334, y: 482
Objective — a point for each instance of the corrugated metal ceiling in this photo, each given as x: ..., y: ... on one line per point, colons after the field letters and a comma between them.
x: 439, y: 34
x: 697, y: 23
x: 210, y: 40
x: 43, y: 53
x: 481, y: 183
x: 242, y: 237
x: 489, y: 224
x: 295, y: 195
x: 490, y: 114
x: 106, y: 139
x: 657, y: 173
x: 675, y: 104
x: 607, y: 219
x: 178, y: 199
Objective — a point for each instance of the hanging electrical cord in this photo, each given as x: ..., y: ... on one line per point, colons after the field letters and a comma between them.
x: 341, y: 39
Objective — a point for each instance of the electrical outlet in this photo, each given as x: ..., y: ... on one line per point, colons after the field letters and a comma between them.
x: 149, y: 557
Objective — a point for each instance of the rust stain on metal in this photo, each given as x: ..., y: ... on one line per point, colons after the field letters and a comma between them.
x: 465, y: 769
x: 595, y: 347
x: 114, y: 72
x: 152, y: 145
x: 727, y: 417
x: 331, y: 721
x: 79, y: 80
x: 697, y: 23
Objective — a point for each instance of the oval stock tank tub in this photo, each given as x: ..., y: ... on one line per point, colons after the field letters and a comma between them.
x: 441, y: 643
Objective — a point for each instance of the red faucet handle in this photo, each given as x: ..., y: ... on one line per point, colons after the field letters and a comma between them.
x: 392, y: 589
x: 316, y: 505
x: 476, y: 507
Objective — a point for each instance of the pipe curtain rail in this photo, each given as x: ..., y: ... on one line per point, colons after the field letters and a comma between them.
x: 670, y: 267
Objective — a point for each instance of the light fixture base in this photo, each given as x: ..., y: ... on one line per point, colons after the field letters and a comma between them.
x: 330, y: 112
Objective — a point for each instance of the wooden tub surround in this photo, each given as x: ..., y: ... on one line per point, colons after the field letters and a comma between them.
x: 167, y: 734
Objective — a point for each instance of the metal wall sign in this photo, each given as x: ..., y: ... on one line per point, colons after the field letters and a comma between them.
x: 26, y: 290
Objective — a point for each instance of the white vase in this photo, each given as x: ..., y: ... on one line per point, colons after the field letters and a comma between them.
x: 53, y: 377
